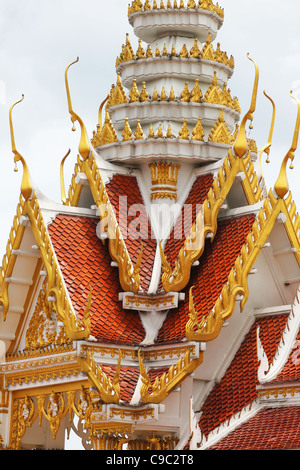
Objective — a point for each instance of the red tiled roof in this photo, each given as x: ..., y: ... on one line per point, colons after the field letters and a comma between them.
x: 291, y: 370
x: 196, y: 197
x: 128, y: 380
x: 85, y: 262
x: 237, y: 388
x: 210, y: 276
x: 272, y: 428
x: 135, y: 226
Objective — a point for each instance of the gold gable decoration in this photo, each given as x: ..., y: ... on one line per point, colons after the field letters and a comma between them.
x: 138, y: 6
x: 43, y: 329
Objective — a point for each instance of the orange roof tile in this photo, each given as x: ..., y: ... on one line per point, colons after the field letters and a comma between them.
x: 85, y: 262
x: 210, y: 276
x: 197, y: 196
x: 272, y: 428
x: 128, y: 380
x: 135, y: 225
x: 237, y: 388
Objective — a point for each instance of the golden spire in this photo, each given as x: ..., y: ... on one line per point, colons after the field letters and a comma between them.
x: 160, y: 132
x: 127, y: 133
x: 140, y: 53
x: 120, y: 95
x: 241, y: 144
x: 149, y: 52
x: 220, y: 132
x: 282, y: 186
x: 185, y: 95
x: 172, y: 95
x: 195, y: 51
x: 163, y: 96
x: 184, y: 132
x: 184, y: 52
x: 134, y: 92
x: 151, y: 132
x: 155, y: 95
x: 144, y: 94
x: 198, y: 131
x: 84, y: 144
x: 108, y: 134
x: 196, y: 93
x: 169, y: 132
x: 139, y: 131
x: 266, y: 148
x: 26, y: 186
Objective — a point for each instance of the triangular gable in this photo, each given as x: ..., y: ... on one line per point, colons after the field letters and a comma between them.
x: 237, y: 283
x: 30, y: 251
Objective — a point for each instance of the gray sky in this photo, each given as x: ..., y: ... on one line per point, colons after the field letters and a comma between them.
x: 39, y: 39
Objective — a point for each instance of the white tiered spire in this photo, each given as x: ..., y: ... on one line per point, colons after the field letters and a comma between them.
x: 178, y: 107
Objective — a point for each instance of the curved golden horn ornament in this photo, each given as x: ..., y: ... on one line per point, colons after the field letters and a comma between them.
x: 100, y: 112
x: 26, y: 186
x: 266, y: 148
x: 62, y: 182
x: 241, y: 143
x: 84, y: 145
x: 282, y: 186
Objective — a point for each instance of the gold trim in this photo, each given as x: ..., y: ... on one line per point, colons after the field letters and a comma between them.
x: 266, y: 148
x: 62, y: 182
x: 278, y: 392
x: 26, y: 185
x: 206, y: 222
x: 237, y: 284
x: 241, y: 144
x: 168, y: 381
x: 128, y: 274
x: 108, y: 391
x: 84, y: 145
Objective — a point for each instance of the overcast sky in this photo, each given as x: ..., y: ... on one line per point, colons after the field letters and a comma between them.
x: 39, y: 38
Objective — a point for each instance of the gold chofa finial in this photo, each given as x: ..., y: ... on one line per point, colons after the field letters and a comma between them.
x: 84, y: 145
x: 241, y: 143
x: 282, y: 186
x: 26, y: 186
x: 266, y: 148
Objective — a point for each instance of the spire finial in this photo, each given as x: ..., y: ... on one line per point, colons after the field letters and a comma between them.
x: 26, y: 186
x: 84, y: 145
x: 241, y: 143
x: 266, y: 148
x: 282, y: 186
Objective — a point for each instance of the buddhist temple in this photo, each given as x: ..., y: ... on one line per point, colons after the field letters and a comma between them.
x: 157, y: 307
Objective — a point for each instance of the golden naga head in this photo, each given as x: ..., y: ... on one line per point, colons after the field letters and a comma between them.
x: 26, y: 186
x: 282, y: 186
x: 241, y: 143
